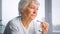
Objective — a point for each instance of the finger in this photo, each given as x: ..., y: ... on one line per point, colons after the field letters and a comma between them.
x: 45, y: 24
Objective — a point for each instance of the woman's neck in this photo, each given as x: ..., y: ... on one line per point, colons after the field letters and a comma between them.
x: 25, y: 21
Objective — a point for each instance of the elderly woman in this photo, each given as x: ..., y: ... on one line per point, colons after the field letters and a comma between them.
x: 24, y: 24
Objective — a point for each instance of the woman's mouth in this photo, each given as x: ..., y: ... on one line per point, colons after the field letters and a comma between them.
x: 33, y: 14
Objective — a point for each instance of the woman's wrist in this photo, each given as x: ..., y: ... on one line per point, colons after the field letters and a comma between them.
x: 44, y: 32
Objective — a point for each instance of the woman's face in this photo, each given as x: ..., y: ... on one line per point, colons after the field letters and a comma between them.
x: 31, y: 11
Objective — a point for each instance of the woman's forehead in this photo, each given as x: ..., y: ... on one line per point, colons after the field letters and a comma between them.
x: 33, y: 4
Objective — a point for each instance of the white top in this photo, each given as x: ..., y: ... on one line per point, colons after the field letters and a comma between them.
x: 15, y: 26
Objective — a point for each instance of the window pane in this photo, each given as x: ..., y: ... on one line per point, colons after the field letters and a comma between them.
x: 56, y: 15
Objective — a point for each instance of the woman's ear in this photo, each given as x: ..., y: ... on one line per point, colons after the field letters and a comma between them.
x: 21, y: 10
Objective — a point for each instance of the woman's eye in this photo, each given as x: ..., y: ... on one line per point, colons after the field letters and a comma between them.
x: 37, y: 8
x: 32, y: 7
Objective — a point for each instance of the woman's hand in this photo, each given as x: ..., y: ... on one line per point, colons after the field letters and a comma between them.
x: 44, y: 26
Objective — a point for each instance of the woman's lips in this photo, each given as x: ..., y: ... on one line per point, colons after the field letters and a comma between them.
x: 33, y: 14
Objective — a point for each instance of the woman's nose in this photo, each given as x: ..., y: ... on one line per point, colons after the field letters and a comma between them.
x: 34, y: 12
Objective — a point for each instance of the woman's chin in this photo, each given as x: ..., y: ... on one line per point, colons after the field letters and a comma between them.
x: 33, y: 18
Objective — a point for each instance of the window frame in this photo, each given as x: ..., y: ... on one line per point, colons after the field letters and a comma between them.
x: 48, y: 16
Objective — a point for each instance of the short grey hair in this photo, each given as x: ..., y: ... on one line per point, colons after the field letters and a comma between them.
x: 23, y: 3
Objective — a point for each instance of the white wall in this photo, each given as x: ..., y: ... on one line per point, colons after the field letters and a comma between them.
x: 0, y: 10
x: 56, y: 16
x: 10, y: 10
x: 56, y: 12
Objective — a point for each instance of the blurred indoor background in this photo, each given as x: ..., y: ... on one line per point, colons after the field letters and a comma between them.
x: 48, y: 9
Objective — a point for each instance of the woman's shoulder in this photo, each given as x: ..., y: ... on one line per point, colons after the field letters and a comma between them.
x: 12, y: 25
x: 14, y: 21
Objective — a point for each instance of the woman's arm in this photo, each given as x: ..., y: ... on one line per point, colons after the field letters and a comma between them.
x: 10, y: 28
